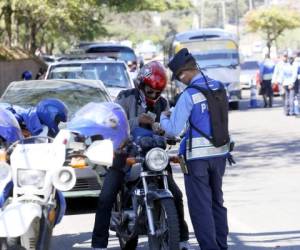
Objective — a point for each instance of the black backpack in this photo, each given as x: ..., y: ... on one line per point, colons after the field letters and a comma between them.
x: 218, y: 107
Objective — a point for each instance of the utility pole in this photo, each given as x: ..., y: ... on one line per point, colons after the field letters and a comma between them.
x: 237, y: 20
x: 223, y: 13
x: 202, y: 13
x: 250, y: 4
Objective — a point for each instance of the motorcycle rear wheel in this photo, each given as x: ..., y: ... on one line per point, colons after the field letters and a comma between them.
x: 166, y: 226
x: 130, y: 244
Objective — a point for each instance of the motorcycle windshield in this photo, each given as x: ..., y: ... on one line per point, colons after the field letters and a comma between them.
x: 92, y: 119
x: 9, y: 126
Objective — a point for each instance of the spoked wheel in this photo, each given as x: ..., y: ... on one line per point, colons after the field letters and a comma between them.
x: 166, y: 226
x: 123, y: 232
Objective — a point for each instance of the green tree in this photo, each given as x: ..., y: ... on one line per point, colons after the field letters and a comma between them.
x: 58, y: 24
x: 7, y: 12
x: 272, y: 22
x: 139, y: 5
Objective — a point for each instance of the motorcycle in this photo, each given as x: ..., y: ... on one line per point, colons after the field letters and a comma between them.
x: 33, y: 204
x: 145, y: 206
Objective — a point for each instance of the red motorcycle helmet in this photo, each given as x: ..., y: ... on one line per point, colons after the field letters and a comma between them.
x: 152, y: 80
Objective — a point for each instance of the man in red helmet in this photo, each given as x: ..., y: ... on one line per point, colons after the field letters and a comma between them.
x: 143, y: 106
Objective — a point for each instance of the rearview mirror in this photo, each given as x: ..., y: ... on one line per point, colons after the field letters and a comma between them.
x: 101, y: 152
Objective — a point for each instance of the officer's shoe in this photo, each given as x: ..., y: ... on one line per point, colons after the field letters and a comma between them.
x: 185, y: 245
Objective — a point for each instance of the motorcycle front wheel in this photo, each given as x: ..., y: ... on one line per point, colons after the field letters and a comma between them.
x: 166, y: 226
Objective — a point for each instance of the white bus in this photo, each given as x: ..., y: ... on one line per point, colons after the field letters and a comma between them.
x: 217, y: 54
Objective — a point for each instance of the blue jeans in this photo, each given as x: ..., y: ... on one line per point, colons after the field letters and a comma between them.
x: 205, y: 200
x: 289, y: 95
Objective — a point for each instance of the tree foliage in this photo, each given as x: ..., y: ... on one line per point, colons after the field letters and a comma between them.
x: 33, y: 24
x: 272, y: 22
x: 140, y: 5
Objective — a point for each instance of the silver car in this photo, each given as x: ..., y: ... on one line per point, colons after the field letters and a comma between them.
x: 75, y: 94
x: 114, y: 74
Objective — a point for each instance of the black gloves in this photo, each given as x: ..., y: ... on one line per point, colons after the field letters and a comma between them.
x: 230, y: 159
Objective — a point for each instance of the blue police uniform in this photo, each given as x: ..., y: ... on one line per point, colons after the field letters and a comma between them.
x: 266, y: 72
x: 205, y: 163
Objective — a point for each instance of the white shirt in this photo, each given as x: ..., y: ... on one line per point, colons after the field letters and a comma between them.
x: 284, y: 73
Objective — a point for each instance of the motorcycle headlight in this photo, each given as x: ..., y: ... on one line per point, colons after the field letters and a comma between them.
x: 31, y: 177
x: 4, y: 171
x: 157, y: 159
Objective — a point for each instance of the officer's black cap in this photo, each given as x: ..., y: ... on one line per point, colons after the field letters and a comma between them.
x: 179, y: 61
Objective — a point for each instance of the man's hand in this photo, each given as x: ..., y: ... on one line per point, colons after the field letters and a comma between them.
x: 145, y: 119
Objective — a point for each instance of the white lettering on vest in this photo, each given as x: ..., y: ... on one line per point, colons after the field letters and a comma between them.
x: 203, y: 107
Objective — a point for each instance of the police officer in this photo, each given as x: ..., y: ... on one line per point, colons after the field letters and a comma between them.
x: 143, y: 106
x: 205, y: 163
x: 266, y: 70
x: 27, y: 75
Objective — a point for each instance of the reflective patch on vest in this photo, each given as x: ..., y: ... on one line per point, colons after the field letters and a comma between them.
x: 198, y: 97
x: 206, y: 151
x: 267, y: 76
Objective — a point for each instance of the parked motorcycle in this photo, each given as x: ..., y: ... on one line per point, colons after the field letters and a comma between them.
x: 35, y: 176
x: 145, y: 206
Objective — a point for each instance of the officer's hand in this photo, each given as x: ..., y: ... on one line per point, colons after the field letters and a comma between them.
x: 167, y: 113
x: 145, y: 119
x: 157, y: 129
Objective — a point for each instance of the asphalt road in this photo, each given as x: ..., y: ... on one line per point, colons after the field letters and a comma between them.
x: 261, y: 191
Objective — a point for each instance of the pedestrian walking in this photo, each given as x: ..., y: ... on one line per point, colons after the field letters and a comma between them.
x: 285, y: 75
x: 266, y: 70
x: 205, y: 163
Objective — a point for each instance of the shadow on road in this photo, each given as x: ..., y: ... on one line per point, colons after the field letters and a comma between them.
x: 236, y: 241
x: 267, y: 149
x: 257, y: 241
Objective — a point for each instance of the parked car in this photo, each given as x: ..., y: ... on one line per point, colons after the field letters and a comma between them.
x: 75, y: 94
x: 117, y: 51
x: 114, y: 74
x: 248, y: 73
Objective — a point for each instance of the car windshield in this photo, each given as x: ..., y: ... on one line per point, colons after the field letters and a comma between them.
x: 74, y: 95
x: 217, y: 59
x: 122, y: 53
x: 111, y: 74
x: 250, y: 65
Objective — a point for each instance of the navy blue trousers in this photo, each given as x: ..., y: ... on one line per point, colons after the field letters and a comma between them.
x: 203, y: 186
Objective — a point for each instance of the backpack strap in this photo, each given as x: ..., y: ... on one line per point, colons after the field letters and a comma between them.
x: 200, y: 132
x: 190, y: 121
